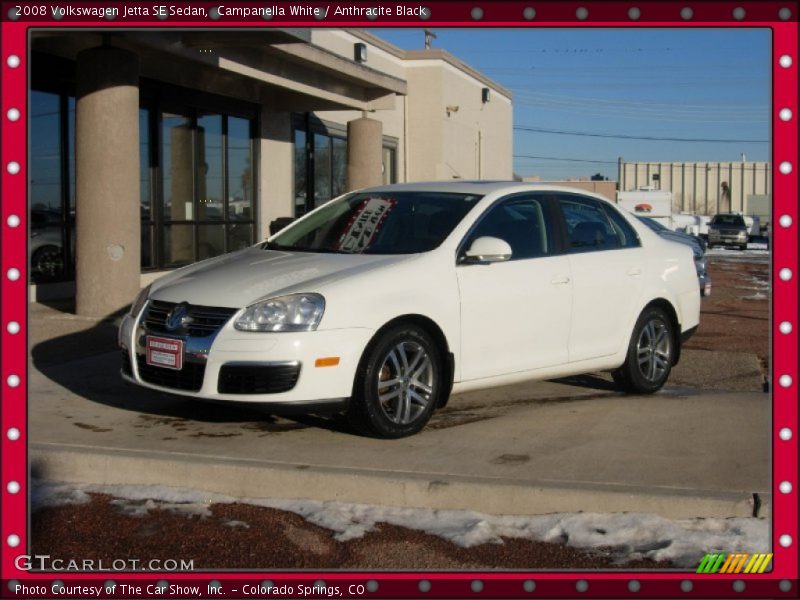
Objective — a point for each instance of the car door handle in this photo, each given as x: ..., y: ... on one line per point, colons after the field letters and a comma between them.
x: 560, y: 280
x: 633, y: 272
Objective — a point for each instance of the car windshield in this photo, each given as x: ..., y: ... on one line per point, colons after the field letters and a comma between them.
x: 377, y: 223
x: 732, y: 220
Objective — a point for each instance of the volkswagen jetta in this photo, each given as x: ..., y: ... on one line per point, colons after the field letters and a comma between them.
x: 382, y: 302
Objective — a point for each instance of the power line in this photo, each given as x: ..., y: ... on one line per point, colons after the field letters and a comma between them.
x: 636, y: 137
x: 640, y: 116
x: 581, y: 160
x: 703, y: 109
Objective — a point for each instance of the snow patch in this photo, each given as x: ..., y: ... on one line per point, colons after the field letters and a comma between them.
x: 234, y: 523
x: 626, y: 536
x: 752, y: 250
x: 54, y: 494
x: 756, y: 296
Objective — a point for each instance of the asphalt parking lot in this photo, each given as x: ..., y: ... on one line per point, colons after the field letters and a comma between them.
x: 698, y: 448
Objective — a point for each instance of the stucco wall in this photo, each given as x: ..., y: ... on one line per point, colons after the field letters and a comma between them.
x: 276, y: 168
x: 341, y: 43
x: 697, y: 186
x: 453, y: 134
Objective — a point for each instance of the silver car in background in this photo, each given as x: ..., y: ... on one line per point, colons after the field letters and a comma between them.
x: 697, y: 245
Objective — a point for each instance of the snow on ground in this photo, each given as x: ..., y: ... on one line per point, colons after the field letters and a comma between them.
x: 752, y: 250
x: 628, y: 535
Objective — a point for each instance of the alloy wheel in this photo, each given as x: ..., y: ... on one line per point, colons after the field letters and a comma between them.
x: 653, y: 350
x: 405, y: 382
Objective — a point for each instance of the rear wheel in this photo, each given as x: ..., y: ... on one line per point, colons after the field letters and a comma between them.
x: 398, y: 385
x: 650, y: 354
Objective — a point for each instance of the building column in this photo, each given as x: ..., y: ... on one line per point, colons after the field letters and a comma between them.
x: 108, y: 221
x: 364, y: 153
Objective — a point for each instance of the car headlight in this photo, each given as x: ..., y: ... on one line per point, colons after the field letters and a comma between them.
x: 295, y: 312
x: 139, y: 303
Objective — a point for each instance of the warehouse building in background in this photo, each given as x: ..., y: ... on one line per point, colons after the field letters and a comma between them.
x: 154, y: 149
x: 700, y: 188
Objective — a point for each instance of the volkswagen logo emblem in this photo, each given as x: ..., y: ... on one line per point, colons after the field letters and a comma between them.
x: 178, y: 317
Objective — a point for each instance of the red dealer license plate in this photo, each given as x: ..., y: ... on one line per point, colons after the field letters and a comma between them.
x: 164, y: 352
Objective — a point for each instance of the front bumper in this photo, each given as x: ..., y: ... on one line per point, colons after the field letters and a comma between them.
x: 205, y: 362
x: 715, y: 237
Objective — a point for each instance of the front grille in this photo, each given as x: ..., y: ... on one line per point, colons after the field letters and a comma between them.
x: 255, y: 378
x: 126, y: 363
x: 189, y: 378
x: 206, y: 320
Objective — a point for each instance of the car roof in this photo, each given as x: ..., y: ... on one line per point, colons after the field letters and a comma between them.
x: 480, y: 187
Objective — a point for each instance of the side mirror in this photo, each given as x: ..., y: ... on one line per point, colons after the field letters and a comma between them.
x: 488, y: 249
x: 279, y: 223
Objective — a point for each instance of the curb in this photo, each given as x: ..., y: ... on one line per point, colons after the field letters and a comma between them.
x: 264, y: 479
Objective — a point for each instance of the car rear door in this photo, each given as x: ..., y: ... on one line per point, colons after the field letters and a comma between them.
x: 606, y: 262
x: 515, y: 315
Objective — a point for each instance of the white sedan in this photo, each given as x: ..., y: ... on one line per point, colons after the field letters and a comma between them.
x: 384, y: 301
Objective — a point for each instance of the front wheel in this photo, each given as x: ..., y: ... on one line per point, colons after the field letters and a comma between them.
x: 650, y: 354
x: 398, y: 385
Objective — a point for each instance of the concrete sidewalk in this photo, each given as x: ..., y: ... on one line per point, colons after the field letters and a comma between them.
x: 527, y: 449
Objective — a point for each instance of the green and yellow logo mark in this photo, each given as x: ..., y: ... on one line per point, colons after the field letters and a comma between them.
x: 720, y: 562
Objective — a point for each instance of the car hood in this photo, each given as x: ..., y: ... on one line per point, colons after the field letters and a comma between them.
x: 242, y: 278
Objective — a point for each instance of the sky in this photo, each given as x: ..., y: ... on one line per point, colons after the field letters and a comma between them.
x: 701, y: 84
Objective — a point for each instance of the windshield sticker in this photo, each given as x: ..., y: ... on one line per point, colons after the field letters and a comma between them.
x: 365, y: 224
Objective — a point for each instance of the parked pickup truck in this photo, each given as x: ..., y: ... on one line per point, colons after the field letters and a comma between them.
x: 728, y: 229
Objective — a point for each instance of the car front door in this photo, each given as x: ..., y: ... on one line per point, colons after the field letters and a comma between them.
x: 515, y: 315
x: 606, y: 262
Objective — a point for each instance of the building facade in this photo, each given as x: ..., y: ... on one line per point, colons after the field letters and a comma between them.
x: 700, y: 188
x: 154, y: 149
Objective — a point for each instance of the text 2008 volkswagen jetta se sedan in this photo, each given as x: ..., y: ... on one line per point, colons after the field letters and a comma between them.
x: 383, y: 301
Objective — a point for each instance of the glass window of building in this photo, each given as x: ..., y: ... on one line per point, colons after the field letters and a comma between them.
x: 322, y: 170
x: 208, y: 186
x: 301, y: 152
x: 338, y: 166
x: 388, y: 166
x: 49, y: 189
x: 241, y: 184
x: 146, y: 189
x: 320, y: 162
x: 197, y: 185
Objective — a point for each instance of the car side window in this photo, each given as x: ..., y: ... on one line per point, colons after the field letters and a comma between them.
x: 588, y: 227
x: 626, y: 234
x: 522, y: 223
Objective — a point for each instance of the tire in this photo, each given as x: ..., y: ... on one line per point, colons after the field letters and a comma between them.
x: 47, y: 263
x: 744, y: 247
x: 399, y: 383
x: 651, y: 352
